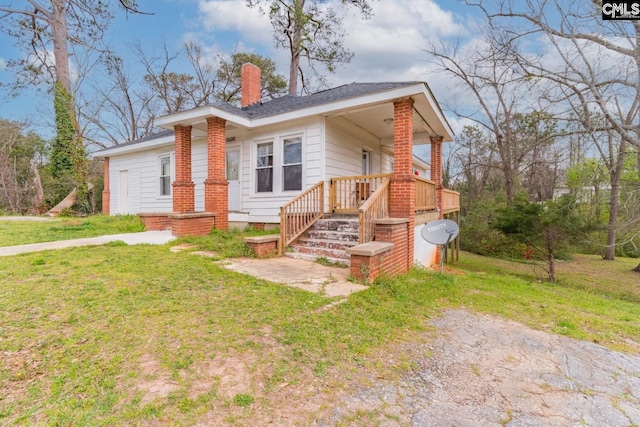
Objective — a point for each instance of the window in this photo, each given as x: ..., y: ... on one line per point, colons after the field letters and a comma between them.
x: 292, y: 164
x: 264, y: 168
x: 165, y: 175
x: 366, y: 162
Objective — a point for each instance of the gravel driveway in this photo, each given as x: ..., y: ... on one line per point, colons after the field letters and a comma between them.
x: 484, y: 371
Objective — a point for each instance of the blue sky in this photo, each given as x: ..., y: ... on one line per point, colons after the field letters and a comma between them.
x: 388, y: 47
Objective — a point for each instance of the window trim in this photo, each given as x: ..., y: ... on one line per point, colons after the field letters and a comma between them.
x: 278, y: 163
x: 171, y: 157
x: 256, y: 168
x: 300, y: 163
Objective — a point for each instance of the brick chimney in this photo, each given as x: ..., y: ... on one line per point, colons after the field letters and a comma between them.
x: 251, y: 90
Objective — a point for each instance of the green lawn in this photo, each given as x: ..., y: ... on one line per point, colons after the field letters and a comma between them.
x: 24, y: 232
x: 88, y: 335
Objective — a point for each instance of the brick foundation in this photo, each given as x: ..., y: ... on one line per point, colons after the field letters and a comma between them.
x: 367, y: 259
x: 396, y: 231
x: 192, y: 223
x: 263, y: 246
x: 155, y: 221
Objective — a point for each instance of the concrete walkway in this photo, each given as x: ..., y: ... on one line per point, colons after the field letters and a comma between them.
x: 146, y: 237
x: 306, y: 275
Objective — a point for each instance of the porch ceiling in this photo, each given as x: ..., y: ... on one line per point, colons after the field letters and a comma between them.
x: 372, y: 119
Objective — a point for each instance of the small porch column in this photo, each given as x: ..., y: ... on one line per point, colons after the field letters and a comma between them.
x: 403, y: 182
x: 216, y: 187
x: 436, y: 170
x: 183, y: 187
x: 106, y: 192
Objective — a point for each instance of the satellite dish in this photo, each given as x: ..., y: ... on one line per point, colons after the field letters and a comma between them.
x: 440, y: 231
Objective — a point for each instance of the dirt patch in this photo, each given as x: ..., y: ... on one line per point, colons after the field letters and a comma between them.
x: 154, y: 382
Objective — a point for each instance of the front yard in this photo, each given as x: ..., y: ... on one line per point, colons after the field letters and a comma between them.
x: 131, y: 335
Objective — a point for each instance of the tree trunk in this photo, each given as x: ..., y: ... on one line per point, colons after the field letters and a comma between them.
x: 615, y: 172
x: 60, y: 35
x: 67, y: 202
x: 637, y: 268
x: 296, y: 42
x: 38, y: 197
x: 550, y: 256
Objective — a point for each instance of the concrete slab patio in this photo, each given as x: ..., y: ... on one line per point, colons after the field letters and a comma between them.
x: 306, y: 275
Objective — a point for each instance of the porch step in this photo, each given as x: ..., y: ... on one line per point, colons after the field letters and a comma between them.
x: 328, y: 238
x: 326, y: 243
x: 340, y: 236
x: 312, y: 254
x: 337, y: 224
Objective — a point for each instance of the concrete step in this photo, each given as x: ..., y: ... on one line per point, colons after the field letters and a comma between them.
x: 325, y: 243
x: 346, y: 225
x: 302, y: 253
x: 332, y: 235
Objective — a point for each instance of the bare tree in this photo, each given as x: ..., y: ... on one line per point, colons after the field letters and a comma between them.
x: 309, y: 29
x: 119, y: 112
x: 20, y: 186
x: 596, y: 70
x: 490, y: 76
x: 123, y: 110
x: 44, y: 26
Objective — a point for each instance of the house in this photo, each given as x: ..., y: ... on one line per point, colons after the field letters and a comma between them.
x: 287, y: 162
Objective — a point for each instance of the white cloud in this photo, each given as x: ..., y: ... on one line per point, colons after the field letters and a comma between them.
x: 3, y: 64
x: 234, y: 15
x: 388, y: 47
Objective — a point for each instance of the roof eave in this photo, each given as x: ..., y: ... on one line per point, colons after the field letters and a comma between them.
x: 125, y: 149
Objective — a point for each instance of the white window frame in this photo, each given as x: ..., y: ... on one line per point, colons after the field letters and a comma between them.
x: 255, y: 166
x: 278, y: 164
x: 301, y: 163
x: 171, y: 157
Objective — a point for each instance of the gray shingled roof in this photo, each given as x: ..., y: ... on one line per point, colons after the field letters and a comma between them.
x: 289, y: 103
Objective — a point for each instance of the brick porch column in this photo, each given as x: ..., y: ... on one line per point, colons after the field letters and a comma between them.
x: 216, y: 187
x: 403, y: 182
x: 106, y: 192
x: 436, y: 170
x: 183, y: 187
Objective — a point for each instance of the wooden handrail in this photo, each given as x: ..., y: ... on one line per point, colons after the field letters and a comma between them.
x: 299, y: 214
x: 375, y: 207
x: 425, y: 195
x: 348, y: 193
x: 450, y: 201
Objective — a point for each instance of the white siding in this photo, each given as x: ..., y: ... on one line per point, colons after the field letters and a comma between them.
x: 260, y: 207
x: 256, y: 207
x: 144, y: 192
x: 344, y: 146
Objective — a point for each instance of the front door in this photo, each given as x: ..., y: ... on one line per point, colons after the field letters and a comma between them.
x: 233, y: 177
x: 123, y: 194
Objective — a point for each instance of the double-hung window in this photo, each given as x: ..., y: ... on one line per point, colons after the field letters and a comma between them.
x: 264, y: 168
x: 165, y: 175
x: 292, y: 164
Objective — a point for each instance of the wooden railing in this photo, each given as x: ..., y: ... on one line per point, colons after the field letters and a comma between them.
x: 347, y: 194
x: 450, y: 201
x: 425, y: 195
x: 299, y: 214
x: 375, y: 207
